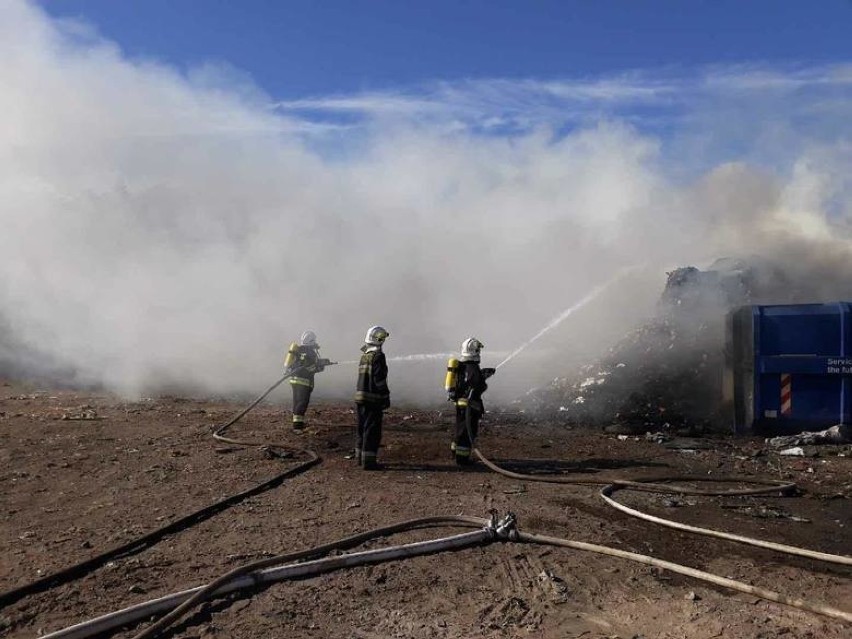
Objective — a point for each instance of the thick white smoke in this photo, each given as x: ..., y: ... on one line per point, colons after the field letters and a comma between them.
x: 163, y: 229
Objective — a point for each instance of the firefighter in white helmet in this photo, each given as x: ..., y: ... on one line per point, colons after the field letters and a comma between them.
x: 466, y: 384
x: 372, y: 397
x: 303, y: 363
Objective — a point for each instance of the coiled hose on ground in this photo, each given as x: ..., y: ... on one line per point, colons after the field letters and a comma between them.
x: 657, y: 485
x: 253, y: 574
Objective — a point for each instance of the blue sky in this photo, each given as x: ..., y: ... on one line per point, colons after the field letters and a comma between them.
x: 304, y: 48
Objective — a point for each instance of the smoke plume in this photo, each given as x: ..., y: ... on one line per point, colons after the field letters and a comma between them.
x: 171, y: 229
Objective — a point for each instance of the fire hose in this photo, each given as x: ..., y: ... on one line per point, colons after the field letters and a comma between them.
x: 256, y: 573
x: 219, y: 433
x: 250, y: 576
x: 656, y: 485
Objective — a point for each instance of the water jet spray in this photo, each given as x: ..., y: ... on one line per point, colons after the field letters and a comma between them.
x: 594, y: 293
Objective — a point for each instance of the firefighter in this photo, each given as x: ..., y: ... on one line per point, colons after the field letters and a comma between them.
x: 372, y: 397
x: 465, y: 385
x: 303, y: 363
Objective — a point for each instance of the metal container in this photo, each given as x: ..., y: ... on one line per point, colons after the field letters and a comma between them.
x: 789, y: 368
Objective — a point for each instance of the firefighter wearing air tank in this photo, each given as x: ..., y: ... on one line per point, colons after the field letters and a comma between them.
x: 465, y: 384
x: 372, y: 397
x: 303, y: 363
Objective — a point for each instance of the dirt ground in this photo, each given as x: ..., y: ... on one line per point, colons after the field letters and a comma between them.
x: 83, y: 472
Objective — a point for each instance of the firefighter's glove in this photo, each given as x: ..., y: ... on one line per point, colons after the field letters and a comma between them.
x: 488, y: 372
x: 385, y: 403
x: 321, y: 364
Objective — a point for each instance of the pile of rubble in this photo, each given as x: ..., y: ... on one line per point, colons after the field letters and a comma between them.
x: 665, y: 375
x: 659, y: 377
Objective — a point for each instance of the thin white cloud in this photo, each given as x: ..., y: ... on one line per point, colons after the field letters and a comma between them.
x: 639, y: 96
x: 475, y: 95
x: 611, y: 90
x: 757, y: 78
x: 376, y: 103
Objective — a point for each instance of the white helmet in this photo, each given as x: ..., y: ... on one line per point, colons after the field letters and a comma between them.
x: 309, y: 338
x: 470, y: 349
x: 376, y: 336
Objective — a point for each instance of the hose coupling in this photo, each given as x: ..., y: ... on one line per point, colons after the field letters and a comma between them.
x: 507, y: 528
x: 493, y: 521
x: 502, y: 529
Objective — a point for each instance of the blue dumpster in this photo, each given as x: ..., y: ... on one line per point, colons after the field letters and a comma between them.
x: 790, y: 367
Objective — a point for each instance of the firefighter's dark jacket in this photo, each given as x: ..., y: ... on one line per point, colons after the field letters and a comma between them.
x: 472, y: 385
x: 372, y: 387
x: 306, y: 366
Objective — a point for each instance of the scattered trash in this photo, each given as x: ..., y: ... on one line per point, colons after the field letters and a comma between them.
x: 657, y: 438
x: 87, y: 414
x: 224, y: 451
x: 798, y: 451
x: 692, y: 596
x: 767, y: 512
x: 272, y: 452
x: 685, y: 444
x: 559, y: 587
x: 838, y: 434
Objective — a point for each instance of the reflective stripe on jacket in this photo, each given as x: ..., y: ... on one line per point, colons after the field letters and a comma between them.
x: 305, y: 367
x: 372, y: 384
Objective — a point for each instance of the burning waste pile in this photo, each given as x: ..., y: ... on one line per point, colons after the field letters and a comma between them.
x: 665, y: 375
x: 661, y: 376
